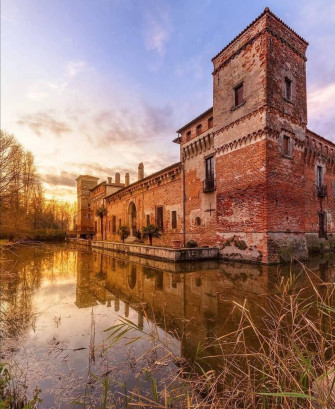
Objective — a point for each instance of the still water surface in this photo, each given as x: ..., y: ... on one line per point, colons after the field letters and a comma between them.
x: 58, y: 301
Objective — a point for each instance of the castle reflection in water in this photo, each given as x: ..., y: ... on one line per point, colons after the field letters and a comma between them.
x: 192, y: 300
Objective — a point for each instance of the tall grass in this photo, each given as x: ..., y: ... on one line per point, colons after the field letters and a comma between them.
x: 281, y: 358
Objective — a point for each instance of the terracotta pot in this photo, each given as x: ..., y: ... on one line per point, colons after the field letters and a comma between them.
x: 176, y: 244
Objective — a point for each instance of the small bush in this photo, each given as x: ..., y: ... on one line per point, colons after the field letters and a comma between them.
x: 191, y: 243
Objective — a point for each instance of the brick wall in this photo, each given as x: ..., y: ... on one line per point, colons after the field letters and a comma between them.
x: 162, y: 190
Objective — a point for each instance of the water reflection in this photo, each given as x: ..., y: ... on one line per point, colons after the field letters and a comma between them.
x: 53, y: 298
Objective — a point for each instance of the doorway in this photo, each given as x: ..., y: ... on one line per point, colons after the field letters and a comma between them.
x: 132, y: 219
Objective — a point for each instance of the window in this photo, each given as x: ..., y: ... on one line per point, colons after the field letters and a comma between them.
x: 109, y: 225
x: 188, y: 135
x: 114, y: 224
x: 174, y: 219
x: 210, y: 122
x: 238, y: 95
x: 148, y: 219
x: 210, y: 168
x: 288, y: 89
x: 319, y: 176
x: 95, y: 226
x: 286, y: 145
x: 209, y: 182
x: 198, y: 221
x: 159, y: 217
x: 120, y: 222
x: 199, y: 129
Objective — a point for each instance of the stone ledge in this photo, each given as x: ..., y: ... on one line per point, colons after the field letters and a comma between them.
x: 161, y: 253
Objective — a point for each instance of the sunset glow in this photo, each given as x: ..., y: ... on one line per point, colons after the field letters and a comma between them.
x: 95, y: 87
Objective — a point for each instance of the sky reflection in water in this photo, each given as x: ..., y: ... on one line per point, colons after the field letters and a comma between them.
x: 59, y: 300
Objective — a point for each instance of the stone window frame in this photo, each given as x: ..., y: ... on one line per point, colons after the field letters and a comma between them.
x: 198, y: 129
x: 113, y: 224
x: 289, y: 136
x: 319, y: 176
x: 210, y: 157
x: 197, y: 221
x: 235, y: 88
x: 159, y: 218
x: 288, y: 81
x: 174, y: 221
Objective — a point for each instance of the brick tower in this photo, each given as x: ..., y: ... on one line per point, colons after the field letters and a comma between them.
x: 85, y: 218
x: 259, y: 118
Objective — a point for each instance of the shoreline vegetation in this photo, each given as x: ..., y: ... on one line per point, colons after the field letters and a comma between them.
x: 25, y: 212
x: 279, y: 355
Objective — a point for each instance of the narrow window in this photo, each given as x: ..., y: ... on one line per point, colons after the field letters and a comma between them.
x: 210, y: 168
x: 188, y: 135
x: 114, y: 224
x: 109, y: 225
x: 148, y: 219
x: 95, y: 226
x: 286, y: 145
x: 159, y: 217
x: 288, y: 89
x: 210, y: 122
x: 322, y: 225
x: 319, y: 176
x: 120, y: 222
x: 199, y: 129
x: 174, y: 219
x: 239, y: 95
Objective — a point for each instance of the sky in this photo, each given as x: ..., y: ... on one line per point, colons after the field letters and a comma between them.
x: 98, y: 86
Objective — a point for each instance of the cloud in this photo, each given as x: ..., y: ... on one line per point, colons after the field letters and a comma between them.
x: 314, y: 13
x: 75, y: 67
x: 157, y: 29
x: 131, y: 127
x: 321, y: 110
x: 43, y: 122
x: 63, y: 179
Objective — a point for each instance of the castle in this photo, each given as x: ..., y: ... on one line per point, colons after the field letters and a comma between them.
x: 252, y: 179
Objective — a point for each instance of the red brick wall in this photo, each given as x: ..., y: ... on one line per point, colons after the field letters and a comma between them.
x: 319, y: 152
x: 206, y: 125
x: 241, y: 199
x: 167, y: 194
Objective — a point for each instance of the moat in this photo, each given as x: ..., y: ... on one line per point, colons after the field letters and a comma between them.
x: 58, y: 301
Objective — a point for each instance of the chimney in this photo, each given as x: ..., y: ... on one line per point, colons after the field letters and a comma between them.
x: 126, y: 179
x: 140, y: 171
x: 117, y: 178
x: 109, y: 180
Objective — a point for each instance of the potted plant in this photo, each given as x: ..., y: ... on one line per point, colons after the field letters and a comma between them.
x: 123, y: 232
x: 176, y: 244
x: 101, y: 212
x: 150, y: 231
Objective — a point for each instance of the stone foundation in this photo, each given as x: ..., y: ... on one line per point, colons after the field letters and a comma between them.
x: 162, y: 253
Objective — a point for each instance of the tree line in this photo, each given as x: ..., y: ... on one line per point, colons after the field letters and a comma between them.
x: 25, y: 212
